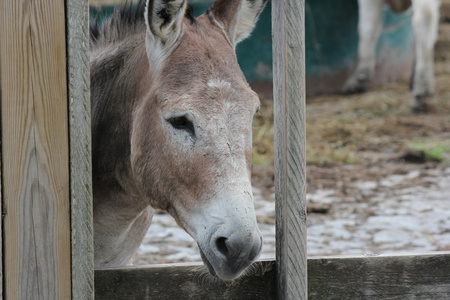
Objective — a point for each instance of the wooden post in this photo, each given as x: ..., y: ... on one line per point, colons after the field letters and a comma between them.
x: 288, y: 36
x: 38, y: 174
x: 77, y: 22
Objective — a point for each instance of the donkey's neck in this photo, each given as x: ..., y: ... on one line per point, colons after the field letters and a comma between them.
x: 117, y: 73
x: 121, y: 215
x: 119, y: 229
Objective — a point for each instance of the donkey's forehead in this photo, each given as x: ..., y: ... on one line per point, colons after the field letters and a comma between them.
x: 203, y: 51
x: 210, y: 95
x: 231, y: 93
x: 204, y: 65
x: 218, y: 83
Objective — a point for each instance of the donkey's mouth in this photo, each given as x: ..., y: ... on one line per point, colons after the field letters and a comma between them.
x: 207, y: 263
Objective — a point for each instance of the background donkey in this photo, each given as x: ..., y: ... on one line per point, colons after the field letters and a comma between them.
x: 171, y: 126
x: 425, y: 25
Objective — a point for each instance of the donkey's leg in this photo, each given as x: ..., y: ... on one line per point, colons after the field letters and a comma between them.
x: 369, y: 30
x: 425, y: 25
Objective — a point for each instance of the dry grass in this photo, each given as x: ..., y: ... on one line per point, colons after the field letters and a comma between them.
x: 263, y: 134
x: 372, y: 126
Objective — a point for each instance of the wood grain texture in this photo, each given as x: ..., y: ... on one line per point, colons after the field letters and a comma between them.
x: 80, y: 149
x: 422, y: 276
x: 35, y: 150
x: 288, y: 37
x: 183, y: 282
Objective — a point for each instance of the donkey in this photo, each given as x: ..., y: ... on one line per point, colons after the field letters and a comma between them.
x: 425, y: 25
x: 172, y: 130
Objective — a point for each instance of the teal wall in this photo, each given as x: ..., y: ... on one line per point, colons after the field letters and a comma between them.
x: 332, y: 35
x: 397, y: 32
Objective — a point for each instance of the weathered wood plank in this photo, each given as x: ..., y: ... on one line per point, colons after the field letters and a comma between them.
x: 35, y: 150
x: 423, y: 276
x: 80, y: 149
x: 288, y: 37
x: 183, y: 282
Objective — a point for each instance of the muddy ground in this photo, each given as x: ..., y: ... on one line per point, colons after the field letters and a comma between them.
x: 378, y: 175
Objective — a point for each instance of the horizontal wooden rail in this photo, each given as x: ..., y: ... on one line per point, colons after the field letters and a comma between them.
x: 421, y: 276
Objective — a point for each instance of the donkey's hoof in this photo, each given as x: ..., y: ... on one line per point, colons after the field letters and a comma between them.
x: 357, y: 83
x: 422, y: 104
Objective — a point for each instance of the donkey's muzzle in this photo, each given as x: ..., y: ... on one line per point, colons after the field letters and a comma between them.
x: 235, y: 249
x: 230, y: 256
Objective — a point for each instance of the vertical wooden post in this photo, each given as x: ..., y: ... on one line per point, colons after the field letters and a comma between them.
x: 35, y: 150
x: 44, y: 255
x: 77, y: 21
x: 289, y: 117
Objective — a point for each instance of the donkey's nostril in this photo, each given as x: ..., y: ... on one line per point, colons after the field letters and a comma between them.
x: 221, y: 244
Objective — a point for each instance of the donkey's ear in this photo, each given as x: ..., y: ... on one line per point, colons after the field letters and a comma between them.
x: 164, y: 21
x: 237, y: 17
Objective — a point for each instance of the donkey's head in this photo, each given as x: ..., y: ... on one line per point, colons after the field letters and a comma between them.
x: 192, y: 131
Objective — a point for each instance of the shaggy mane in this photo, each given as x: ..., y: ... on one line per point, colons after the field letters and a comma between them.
x: 127, y: 20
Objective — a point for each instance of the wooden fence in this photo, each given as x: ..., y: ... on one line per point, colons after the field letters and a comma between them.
x: 421, y: 276
x: 47, y: 249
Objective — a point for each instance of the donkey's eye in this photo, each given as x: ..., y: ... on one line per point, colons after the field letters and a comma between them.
x: 182, y: 123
